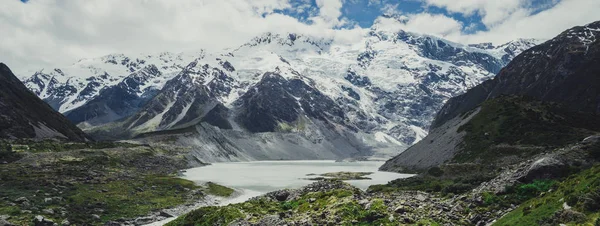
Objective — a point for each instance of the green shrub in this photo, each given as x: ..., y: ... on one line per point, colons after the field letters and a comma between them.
x: 219, y: 190
x: 521, y: 193
x: 490, y: 199
x: 435, y: 171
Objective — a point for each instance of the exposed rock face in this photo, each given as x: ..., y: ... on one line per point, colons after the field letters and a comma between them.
x: 24, y: 115
x: 276, y: 100
x: 564, y: 69
x: 119, y: 101
x: 439, y: 146
x: 68, y: 88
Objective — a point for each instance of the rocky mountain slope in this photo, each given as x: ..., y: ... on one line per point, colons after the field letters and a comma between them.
x: 564, y: 69
x: 377, y: 95
x: 24, y: 115
x: 483, y: 123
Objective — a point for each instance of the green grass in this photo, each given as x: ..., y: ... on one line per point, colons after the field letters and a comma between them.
x: 131, y: 198
x: 112, y: 183
x: 33, y: 146
x: 219, y: 190
x: 574, y: 190
x: 117, y: 199
x: 338, y: 202
x: 522, y: 126
x: 443, y: 186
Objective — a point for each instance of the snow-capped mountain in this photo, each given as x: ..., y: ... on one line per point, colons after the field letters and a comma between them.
x: 71, y: 87
x: 384, y: 89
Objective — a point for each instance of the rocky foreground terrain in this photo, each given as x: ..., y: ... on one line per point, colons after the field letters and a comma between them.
x: 51, y: 182
x: 535, y: 192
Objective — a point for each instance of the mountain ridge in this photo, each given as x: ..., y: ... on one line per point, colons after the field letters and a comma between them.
x: 389, y: 84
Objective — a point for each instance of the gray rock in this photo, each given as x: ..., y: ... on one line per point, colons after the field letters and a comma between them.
x: 145, y: 220
x: 95, y: 216
x: 4, y: 222
x: 26, y: 204
x: 545, y: 168
x: 591, y: 139
x: 53, y: 199
x: 566, y: 216
x: 164, y: 214
x: 65, y: 222
x: 21, y: 200
x: 48, y: 211
x: 282, y: 195
x: 421, y: 197
x: 401, y: 209
x: 41, y: 221
x: 271, y: 220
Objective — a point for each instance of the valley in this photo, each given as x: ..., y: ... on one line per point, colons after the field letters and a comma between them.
x: 391, y: 128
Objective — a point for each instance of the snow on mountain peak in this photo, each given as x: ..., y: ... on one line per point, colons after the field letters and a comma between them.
x: 390, y: 83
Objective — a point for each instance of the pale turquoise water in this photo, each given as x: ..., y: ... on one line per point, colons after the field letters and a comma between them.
x: 265, y: 176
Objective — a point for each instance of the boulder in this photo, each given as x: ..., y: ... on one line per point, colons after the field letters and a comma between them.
x: 21, y: 200
x: 48, y: 211
x: 282, y: 195
x: 4, y: 222
x: 41, y: 221
x: 545, y: 168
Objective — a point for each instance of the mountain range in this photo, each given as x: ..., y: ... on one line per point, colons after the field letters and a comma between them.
x: 315, y: 96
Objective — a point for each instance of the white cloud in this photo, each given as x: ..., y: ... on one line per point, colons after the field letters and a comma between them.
x: 543, y: 25
x: 506, y: 20
x: 440, y: 25
x: 492, y: 11
x: 329, y: 13
x: 433, y: 24
x: 51, y: 33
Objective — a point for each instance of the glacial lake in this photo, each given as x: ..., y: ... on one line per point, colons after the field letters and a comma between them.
x: 259, y: 177
x: 251, y: 179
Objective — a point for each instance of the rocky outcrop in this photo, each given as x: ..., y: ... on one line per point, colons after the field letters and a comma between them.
x: 438, y: 147
x: 553, y: 165
x: 24, y: 115
x: 276, y: 103
x: 119, y: 101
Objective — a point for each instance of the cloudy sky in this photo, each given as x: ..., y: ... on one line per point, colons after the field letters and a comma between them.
x: 52, y: 33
